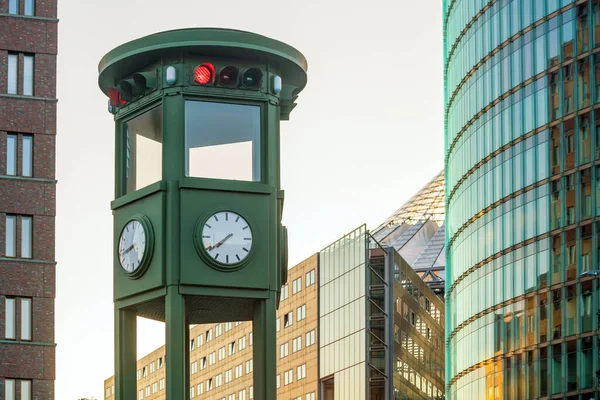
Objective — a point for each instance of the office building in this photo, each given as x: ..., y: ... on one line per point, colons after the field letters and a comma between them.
x: 522, y: 188
x: 28, y: 50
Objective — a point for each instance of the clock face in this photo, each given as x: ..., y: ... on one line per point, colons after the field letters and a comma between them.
x: 227, y: 237
x: 132, y: 246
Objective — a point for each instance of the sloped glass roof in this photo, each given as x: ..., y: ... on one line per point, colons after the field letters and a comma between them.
x: 416, y: 231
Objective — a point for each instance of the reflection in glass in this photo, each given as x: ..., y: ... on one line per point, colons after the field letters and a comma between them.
x: 143, y: 155
x: 222, y: 141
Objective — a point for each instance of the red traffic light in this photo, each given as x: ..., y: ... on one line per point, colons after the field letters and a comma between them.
x: 115, y: 97
x: 204, y: 74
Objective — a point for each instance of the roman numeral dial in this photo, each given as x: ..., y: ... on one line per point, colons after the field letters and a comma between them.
x: 227, y: 237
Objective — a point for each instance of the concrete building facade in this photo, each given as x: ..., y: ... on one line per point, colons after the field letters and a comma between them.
x: 28, y: 51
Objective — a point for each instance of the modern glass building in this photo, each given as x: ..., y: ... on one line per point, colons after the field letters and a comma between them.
x: 522, y: 133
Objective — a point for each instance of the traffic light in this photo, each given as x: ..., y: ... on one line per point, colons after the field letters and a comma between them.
x: 131, y: 88
x: 251, y: 78
x: 228, y: 76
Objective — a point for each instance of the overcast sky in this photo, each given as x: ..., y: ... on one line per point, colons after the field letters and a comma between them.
x: 366, y: 135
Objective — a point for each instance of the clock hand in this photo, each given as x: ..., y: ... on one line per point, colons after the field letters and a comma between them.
x: 209, y: 248
x: 127, y: 250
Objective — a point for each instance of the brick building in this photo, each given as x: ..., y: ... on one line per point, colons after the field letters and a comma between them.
x: 28, y: 50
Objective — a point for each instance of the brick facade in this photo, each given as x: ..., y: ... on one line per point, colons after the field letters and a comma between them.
x: 29, y: 115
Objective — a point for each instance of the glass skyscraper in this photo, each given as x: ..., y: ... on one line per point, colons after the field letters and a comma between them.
x: 522, y: 162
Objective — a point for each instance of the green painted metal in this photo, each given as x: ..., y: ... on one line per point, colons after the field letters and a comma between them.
x: 180, y: 287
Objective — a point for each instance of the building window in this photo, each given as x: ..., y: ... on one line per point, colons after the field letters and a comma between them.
x: 310, y: 338
x: 288, y: 319
x: 301, y: 372
x: 310, y: 278
x: 249, y: 366
x: 13, y: 6
x: 297, y: 285
x: 288, y: 377
x: 13, y: 67
x: 218, y: 330
x: 242, y: 343
x: 11, y: 326
x: 301, y: 312
x: 297, y: 344
x: 232, y: 348
x: 11, y: 236
x: 161, y: 384
x: 283, y: 350
x: 29, y: 7
x: 141, y: 394
x: 208, y: 335
x: 285, y: 292
x: 28, y: 75
x: 11, y: 154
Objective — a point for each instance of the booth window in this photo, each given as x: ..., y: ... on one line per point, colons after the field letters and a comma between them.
x: 222, y: 141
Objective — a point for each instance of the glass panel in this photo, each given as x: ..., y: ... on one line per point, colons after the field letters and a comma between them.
x: 584, y: 83
x: 13, y: 6
x: 557, y: 374
x: 10, y: 318
x: 26, y: 237
x: 568, y: 128
x: 11, y: 155
x: 29, y: 7
x: 27, y: 167
x: 28, y: 75
x: 10, y: 236
x: 568, y: 88
x: 222, y: 141
x: 582, y: 29
x: 12, y: 73
x: 9, y: 389
x: 143, y: 158
x: 25, y: 390
x: 25, y: 319
x: 586, y: 373
x: 586, y: 306
x: 585, y: 145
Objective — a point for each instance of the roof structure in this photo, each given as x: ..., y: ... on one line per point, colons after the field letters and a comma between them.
x: 416, y: 231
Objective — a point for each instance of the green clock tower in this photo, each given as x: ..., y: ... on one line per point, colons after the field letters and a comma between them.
x: 198, y: 204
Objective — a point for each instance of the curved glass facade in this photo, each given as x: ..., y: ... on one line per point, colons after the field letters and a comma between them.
x: 522, y: 118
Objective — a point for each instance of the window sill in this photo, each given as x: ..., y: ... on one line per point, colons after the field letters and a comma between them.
x: 26, y: 260
x: 28, y: 342
x: 24, y: 97
x: 26, y: 178
x: 29, y: 17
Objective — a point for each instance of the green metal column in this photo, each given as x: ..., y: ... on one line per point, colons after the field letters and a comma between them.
x: 125, y: 354
x: 264, y: 350
x: 177, y: 371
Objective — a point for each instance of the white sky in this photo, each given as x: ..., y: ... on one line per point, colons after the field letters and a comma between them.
x: 366, y: 135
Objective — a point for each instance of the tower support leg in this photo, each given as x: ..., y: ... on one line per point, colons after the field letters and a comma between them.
x: 176, y: 347
x: 264, y: 348
x: 125, y: 354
